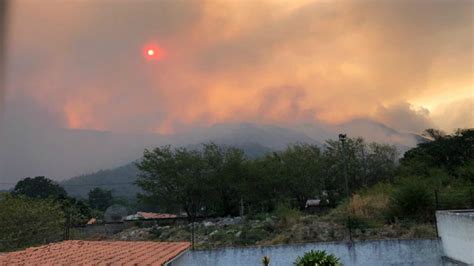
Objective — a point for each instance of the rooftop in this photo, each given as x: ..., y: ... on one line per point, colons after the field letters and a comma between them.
x: 152, y: 215
x: 74, y: 252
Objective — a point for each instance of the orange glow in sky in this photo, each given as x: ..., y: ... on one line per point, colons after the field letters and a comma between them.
x: 153, y: 52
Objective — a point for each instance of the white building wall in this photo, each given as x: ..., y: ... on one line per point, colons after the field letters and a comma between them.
x: 456, y: 230
x: 416, y: 252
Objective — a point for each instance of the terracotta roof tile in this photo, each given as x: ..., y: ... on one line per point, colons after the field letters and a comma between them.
x: 76, y: 252
x: 152, y: 215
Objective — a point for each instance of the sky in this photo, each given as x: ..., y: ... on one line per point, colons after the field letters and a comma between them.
x: 81, y: 93
x: 81, y: 64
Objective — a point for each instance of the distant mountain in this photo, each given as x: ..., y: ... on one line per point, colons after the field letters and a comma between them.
x: 274, y: 137
x: 367, y: 129
x: 120, y: 180
x: 60, y: 153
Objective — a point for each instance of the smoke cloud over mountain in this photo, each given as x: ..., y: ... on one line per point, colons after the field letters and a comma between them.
x: 80, y: 65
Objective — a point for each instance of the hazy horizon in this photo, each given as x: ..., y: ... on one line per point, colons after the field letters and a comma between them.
x: 307, y: 66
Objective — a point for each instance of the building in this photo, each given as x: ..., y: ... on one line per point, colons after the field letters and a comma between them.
x: 456, y: 230
x: 149, y: 216
x: 76, y: 252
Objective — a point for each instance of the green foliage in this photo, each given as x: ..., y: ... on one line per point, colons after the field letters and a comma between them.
x: 449, y: 152
x: 319, y: 258
x: 250, y: 236
x: 266, y: 260
x: 27, y: 221
x: 287, y: 216
x: 366, y: 163
x: 76, y: 212
x: 39, y: 187
x: 100, y: 198
x: 176, y: 179
x: 215, y: 180
x: 412, y: 199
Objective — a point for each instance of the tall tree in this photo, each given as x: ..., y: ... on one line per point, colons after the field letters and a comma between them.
x: 366, y: 163
x: 300, y: 167
x: 447, y: 152
x: 174, y: 179
x: 225, y: 165
x: 39, y: 187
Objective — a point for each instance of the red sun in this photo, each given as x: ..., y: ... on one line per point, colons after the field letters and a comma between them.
x: 153, y: 52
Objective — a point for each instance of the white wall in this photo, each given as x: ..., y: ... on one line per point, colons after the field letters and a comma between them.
x: 456, y: 230
x: 367, y: 253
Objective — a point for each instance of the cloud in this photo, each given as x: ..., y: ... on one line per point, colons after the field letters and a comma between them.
x: 456, y: 114
x: 405, y: 117
x: 227, y: 61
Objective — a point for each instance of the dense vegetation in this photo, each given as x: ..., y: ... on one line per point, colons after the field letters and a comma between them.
x: 38, y: 211
x: 27, y: 221
x: 218, y: 181
x: 398, y: 197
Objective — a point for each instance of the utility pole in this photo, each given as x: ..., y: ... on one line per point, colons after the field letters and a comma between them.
x: 342, y: 138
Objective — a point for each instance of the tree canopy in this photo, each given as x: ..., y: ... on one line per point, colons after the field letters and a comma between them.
x: 217, y: 180
x: 39, y: 187
x: 27, y: 221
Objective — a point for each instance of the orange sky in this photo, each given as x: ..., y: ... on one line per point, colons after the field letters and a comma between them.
x: 408, y: 64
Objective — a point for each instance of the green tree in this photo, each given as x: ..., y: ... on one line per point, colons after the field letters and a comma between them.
x: 26, y: 221
x: 301, y: 173
x: 76, y: 212
x: 449, y: 152
x: 100, y: 199
x: 226, y: 169
x: 367, y: 163
x: 39, y: 187
x: 175, y: 179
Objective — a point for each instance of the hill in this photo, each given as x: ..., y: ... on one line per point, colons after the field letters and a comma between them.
x: 120, y: 180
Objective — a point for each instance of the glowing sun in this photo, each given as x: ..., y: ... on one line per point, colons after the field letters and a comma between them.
x: 153, y: 52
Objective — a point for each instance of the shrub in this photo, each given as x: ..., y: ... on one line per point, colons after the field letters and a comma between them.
x: 318, y: 257
x: 252, y: 236
x: 266, y: 260
x: 412, y: 199
x: 371, y: 203
x: 286, y: 215
x: 27, y: 221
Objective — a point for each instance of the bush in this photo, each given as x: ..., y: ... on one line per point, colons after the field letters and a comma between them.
x: 412, y: 199
x: 318, y: 257
x: 286, y: 215
x: 252, y: 236
x: 25, y: 222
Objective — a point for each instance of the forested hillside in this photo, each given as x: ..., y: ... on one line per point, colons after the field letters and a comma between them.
x: 121, y: 180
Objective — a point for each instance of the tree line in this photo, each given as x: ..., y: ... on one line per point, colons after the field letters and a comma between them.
x: 219, y: 180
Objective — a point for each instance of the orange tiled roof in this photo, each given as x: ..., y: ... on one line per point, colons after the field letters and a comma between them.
x: 75, y: 252
x: 152, y: 215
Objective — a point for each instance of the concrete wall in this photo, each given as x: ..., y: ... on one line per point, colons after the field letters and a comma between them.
x: 456, y: 230
x: 379, y: 252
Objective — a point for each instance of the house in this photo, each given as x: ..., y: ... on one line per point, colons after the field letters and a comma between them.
x: 76, y: 252
x: 149, y: 216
